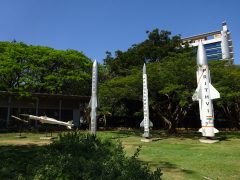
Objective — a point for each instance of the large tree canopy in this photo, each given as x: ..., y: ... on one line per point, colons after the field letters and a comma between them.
x: 171, y: 83
x: 157, y: 46
x: 227, y: 80
x: 25, y: 68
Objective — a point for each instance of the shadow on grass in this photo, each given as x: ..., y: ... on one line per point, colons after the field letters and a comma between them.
x: 15, y: 159
x: 126, y: 133
x: 226, y: 135
x: 156, y: 134
x: 181, y: 135
x: 164, y: 165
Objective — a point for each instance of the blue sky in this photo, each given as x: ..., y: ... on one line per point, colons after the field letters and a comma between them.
x: 94, y: 26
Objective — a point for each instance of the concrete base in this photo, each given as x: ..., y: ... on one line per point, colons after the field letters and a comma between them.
x: 208, y: 141
x: 146, y: 140
x: 46, y: 138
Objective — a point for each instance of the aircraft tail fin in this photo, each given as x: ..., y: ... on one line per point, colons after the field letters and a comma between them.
x: 70, y: 124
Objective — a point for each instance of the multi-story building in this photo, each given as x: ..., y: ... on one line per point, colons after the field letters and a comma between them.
x: 218, y: 44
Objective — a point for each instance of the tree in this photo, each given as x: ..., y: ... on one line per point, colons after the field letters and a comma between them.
x: 25, y: 68
x: 121, y: 96
x: 226, y: 78
x: 171, y: 84
x: 169, y: 64
x: 155, y: 48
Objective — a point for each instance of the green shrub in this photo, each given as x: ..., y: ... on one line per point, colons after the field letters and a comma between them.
x: 84, y: 156
x: 78, y: 156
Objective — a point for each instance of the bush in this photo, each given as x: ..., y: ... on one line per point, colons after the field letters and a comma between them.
x: 84, y: 156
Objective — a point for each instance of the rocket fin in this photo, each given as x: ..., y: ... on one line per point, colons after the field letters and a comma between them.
x: 195, y: 96
x: 150, y: 124
x: 142, y: 123
x: 96, y: 103
x: 215, y: 130
x: 198, y: 94
x: 214, y: 94
x: 90, y: 103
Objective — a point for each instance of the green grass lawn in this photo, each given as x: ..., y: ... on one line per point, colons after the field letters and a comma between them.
x: 27, y: 139
x: 184, y: 157
x: 179, y: 157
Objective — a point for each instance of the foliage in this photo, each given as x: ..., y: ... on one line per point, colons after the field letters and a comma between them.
x: 226, y: 79
x: 26, y: 68
x: 157, y: 46
x: 171, y: 84
x: 170, y: 90
x: 78, y: 156
x: 171, y: 80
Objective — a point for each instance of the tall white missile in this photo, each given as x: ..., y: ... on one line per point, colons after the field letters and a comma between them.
x: 146, y: 123
x: 225, y: 44
x: 93, y: 102
x: 205, y: 93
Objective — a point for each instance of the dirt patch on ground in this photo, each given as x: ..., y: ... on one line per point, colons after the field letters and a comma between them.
x: 24, y: 142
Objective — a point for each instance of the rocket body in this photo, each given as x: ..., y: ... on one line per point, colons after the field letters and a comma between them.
x: 205, y: 93
x: 48, y: 120
x: 225, y: 45
x: 146, y: 123
x: 93, y: 101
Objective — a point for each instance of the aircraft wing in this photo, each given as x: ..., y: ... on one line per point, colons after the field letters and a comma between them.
x: 19, y: 119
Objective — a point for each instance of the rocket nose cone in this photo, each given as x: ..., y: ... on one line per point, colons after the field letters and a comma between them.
x: 95, y: 63
x: 144, y: 69
x: 201, y: 55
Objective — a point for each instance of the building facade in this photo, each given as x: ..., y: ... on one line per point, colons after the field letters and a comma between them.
x: 218, y: 44
x: 60, y: 107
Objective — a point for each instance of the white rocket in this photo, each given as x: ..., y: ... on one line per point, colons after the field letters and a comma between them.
x: 205, y: 93
x: 93, y: 102
x: 225, y: 42
x: 48, y: 120
x: 146, y: 123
